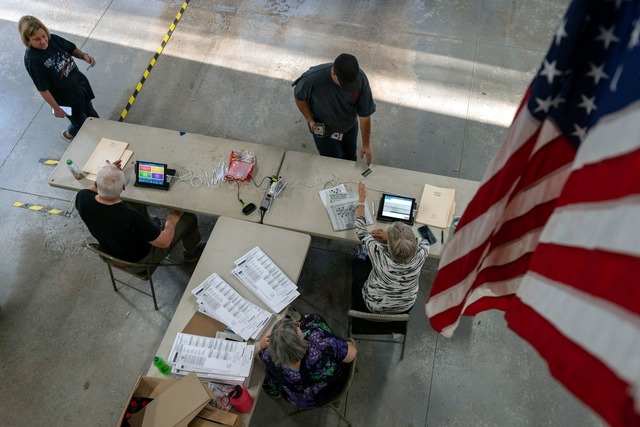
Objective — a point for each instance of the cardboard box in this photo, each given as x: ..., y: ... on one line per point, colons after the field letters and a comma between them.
x: 177, y: 403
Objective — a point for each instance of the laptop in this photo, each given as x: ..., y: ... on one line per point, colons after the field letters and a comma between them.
x: 153, y: 175
x: 397, y: 208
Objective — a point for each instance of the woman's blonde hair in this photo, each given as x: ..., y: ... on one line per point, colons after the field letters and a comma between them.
x: 28, y: 25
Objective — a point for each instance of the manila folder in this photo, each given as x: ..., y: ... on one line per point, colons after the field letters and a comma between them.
x: 437, y: 206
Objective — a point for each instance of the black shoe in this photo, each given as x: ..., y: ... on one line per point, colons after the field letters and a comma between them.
x: 66, y: 136
x: 195, y: 255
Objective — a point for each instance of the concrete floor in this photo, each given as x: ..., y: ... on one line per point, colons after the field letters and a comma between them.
x: 447, y: 77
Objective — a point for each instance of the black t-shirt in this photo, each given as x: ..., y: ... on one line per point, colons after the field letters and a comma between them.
x: 120, y: 230
x: 329, y: 103
x: 54, y: 69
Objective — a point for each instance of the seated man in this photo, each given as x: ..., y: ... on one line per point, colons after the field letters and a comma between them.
x: 127, y: 233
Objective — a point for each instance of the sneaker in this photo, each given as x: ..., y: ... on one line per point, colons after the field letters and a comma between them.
x: 195, y: 255
x: 294, y: 314
x: 362, y: 252
x: 66, y: 136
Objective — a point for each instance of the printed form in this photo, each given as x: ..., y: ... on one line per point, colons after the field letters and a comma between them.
x: 260, y: 274
x: 212, y: 358
x: 341, y: 208
x: 220, y: 301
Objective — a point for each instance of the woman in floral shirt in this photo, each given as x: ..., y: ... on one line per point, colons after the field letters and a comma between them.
x: 306, y: 363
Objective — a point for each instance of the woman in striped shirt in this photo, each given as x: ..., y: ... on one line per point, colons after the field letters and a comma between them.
x: 386, y: 275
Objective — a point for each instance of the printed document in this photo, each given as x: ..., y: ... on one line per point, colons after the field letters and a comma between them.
x: 341, y: 207
x: 265, y: 279
x: 211, y: 358
x: 220, y: 301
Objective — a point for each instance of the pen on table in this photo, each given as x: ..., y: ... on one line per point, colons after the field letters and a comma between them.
x: 442, y: 236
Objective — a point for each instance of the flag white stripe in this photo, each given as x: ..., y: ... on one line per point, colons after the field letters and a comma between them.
x: 607, y: 225
x: 454, y: 295
x: 604, y: 329
x: 478, y: 231
x: 523, y: 127
x: 513, y: 250
x: 606, y: 140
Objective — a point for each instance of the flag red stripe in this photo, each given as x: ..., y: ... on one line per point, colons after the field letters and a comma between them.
x: 597, y: 272
x: 555, y: 155
x: 490, y: 274
x: 504, y: 272
x: 607, y: 180
x: 514, y: 229
x: 489, y: 303
x: 456, y: 271
x: 446, y: 318
x: 500, y: 183
x: 584, y: 375
x: 536, y: 217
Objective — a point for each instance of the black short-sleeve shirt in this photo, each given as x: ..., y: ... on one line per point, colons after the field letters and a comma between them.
x: 120, y: 230
x: 54, y: 69
x: 329, y: 103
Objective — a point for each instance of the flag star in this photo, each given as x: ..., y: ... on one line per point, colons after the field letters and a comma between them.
x: 618, y: 3
x: 580, y: 132
x: 606, y: 36
x: 634, y: 40
x: 550, y: 71
x: 555, y: 102
x: 561, y: 32
x: 544, y: 104
x: 588, y: 104
x: 597, y: 73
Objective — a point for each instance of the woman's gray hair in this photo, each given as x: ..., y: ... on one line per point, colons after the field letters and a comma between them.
x: 402, y: 243
x: 286, y: 346
x: 110, y: 181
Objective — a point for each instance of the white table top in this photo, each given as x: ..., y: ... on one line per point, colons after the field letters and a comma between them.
x: 197, y: 153
x: 230, y: 239
x: 298, y: 207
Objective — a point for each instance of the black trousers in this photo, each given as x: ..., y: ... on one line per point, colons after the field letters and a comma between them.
x: 360, y: 269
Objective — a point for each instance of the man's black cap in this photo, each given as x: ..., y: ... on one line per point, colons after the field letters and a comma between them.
x: 347, y: 71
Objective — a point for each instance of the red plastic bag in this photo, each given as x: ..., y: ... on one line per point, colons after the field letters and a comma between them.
x: 241, y: 165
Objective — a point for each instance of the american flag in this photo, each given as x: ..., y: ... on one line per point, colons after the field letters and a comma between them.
x: 552, y: 236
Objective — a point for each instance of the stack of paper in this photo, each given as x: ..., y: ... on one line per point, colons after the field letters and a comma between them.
x: 341, y: 207
x: 437, y: 206
x: 265, y: 279
x: 220, y: 301
x: 107, y: 149
x: 220, y: 360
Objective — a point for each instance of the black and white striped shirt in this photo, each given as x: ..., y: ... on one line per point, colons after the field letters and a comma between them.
x: 391, y: 287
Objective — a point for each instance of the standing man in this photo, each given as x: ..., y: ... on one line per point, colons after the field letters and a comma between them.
x: 125, y: 231
x: 330, y: 97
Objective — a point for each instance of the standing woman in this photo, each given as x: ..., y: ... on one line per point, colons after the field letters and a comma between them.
x: 49, y: 61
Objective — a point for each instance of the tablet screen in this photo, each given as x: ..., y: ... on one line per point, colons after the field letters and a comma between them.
x: 151, y: 173
x: 397, y: 207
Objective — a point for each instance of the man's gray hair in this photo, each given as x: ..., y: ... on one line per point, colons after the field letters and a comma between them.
x: 110, y: 181
x: 402, y: 243
x: 286, y: 346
